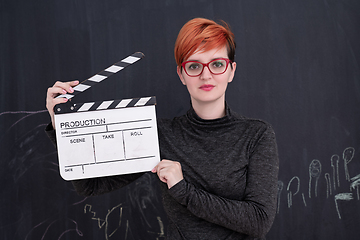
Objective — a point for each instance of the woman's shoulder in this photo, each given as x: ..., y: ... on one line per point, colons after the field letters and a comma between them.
x: 249, y: 122
x: 169, y: 123
x: 164, y: 125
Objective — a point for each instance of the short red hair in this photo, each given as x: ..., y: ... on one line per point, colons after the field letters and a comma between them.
x: 203, y: 34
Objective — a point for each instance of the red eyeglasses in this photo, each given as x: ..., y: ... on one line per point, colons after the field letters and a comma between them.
x: 217, y: 66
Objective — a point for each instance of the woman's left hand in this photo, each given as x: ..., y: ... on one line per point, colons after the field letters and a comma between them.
x: 169, y: 172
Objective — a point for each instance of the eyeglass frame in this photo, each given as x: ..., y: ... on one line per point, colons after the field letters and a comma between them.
x: 207, y: 65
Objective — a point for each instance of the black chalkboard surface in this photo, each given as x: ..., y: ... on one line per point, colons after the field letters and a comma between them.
x: 298, y: 68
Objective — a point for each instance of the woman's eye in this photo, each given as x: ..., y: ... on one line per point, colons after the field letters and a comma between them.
x: 193, y: 66
x: 218, y: 64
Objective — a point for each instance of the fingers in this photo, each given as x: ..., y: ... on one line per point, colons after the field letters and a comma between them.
x: 169, y: 172
x: 63, y: 87
x: 57, y: 89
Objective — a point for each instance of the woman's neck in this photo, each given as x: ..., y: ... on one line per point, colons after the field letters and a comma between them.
x: 209, y: 110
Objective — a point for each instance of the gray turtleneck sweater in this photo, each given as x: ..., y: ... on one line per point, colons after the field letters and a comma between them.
x: 230, y: 168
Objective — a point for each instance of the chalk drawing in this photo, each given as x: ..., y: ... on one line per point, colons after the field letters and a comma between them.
x: 290, y: 194
x: 38, y: 225
x: 343, y: 197
x: 355, y: 183
x: 50, y: 225
x: 332, y: 180
x: 348, y: 155
x: 303, y: 197
x: 314, y: 172
x: 161, y: 234
x: 335, y: 166
x: 337, y: 170
x: 105, y: 222
x: 81, y: 201
x: 29, y: 113
x: 328, y: 185
x: 161, y: 224
x: 69, y: 230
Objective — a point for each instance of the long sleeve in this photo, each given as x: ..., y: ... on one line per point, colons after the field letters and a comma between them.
x: 252, y: 215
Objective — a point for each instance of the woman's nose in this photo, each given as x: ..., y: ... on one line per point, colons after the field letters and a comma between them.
x: 206, y: 74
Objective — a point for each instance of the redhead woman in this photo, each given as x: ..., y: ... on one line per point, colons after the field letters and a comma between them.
x: 218, y: 173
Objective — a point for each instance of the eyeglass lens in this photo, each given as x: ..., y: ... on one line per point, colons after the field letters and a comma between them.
x: 217, y: 66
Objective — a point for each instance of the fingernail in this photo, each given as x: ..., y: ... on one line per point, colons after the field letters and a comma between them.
x: 71, y: 89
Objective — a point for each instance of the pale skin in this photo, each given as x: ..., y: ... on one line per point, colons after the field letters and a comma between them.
x: 57, y: 89
x: 208, y: 104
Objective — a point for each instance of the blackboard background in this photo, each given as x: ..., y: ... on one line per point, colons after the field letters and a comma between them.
x: 298, y: 68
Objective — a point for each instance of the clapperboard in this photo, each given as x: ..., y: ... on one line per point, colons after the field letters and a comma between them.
x: 97, y: 139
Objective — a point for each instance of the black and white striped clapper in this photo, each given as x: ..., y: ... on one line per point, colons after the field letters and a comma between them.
x: 90, y: 82
x: 101, y: 76
x: 103, y: 105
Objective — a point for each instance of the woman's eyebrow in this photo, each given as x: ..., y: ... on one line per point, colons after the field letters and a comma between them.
x: 195, y: 60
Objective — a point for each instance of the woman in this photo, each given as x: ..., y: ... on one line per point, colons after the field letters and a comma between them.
x: 219, y: 169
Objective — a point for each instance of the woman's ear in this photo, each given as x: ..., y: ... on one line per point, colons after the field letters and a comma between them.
x: 178, y: 70
x: 232, y: 71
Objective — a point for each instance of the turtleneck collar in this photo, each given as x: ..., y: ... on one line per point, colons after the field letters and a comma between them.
x: 193, y: 118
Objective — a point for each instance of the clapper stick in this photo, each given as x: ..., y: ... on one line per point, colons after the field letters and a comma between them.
x: 88, y: 83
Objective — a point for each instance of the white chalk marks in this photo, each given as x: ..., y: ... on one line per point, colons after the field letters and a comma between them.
x: 335, y: 167
x: 348, y: 156
x: 117, y: 210
x: 314, y: 173
x: 331, y: 179
x: 113, y: 221
x: 344, y: 197
x: 355, y: 183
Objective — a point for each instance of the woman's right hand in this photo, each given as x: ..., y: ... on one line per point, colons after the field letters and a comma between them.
x: 57, y: 89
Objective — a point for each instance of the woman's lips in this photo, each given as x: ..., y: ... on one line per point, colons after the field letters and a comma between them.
x: 207, y: 87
